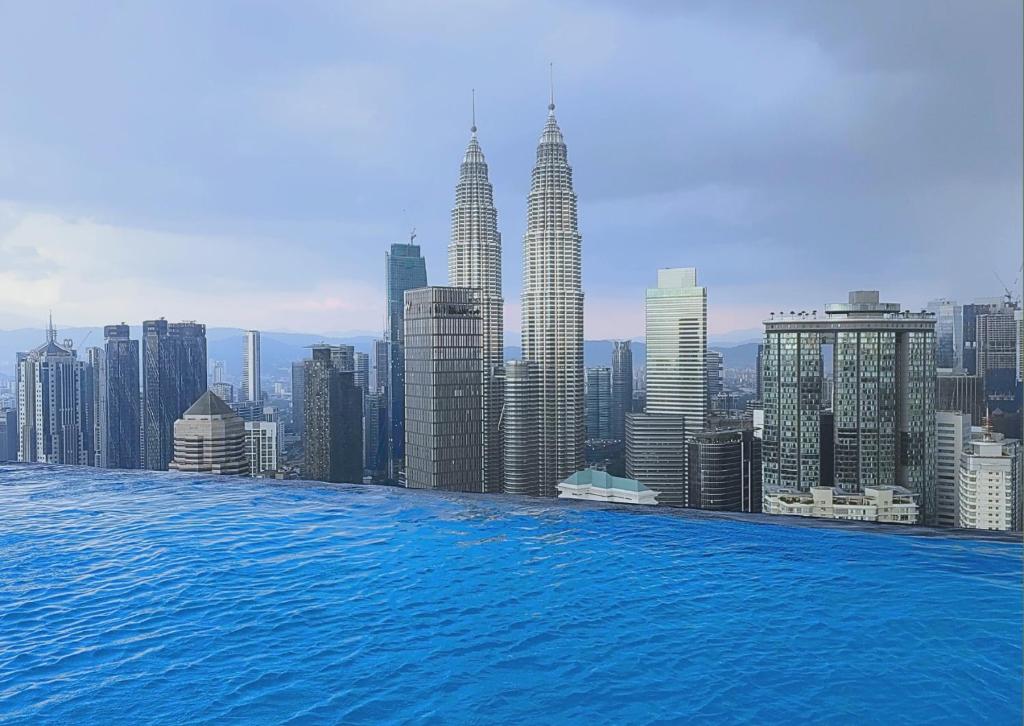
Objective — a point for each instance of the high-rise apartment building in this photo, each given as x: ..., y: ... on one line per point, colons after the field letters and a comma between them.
x: 209, y: 438
x: 333, y: 410
x: 174, y: 377
x: 997, y: 358
x: 989, y: 496
x: 622, y: 387
x: 261, y: 446
x: 298, y: 398
x: 969, y: 314
x: 444, y: 402
x: 949, y: 333
x: 123, y: 402
x: 94, y: 407
x: 474, y: 261
x: 552, y: 313
x: 51, y: 403
x: 251, y: 388
x: 952, y: 434
x: 598, y: 407
x: 405, y: 270
x: 883, y: 399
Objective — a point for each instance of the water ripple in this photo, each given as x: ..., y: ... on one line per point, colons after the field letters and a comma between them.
x: 167, y: 598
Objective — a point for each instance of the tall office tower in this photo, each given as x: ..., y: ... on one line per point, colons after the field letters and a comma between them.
x: 50, y: 403
x: 174, y: 377
x: 299, y: 397
x: 406, y: 270
x: 251, y: 389
x: 261, y: 446
x: 444, y: 402
x: 375, y: 435
x: 522, y: 419
x: 997, y: 358
x: 989, y: 496
x: 622, y: 387
x: 552, y: 309
x: 883, y: 398
x: 218, y: 372
x: 677, y: 314
x: 952, y: 434
x: 714, y: 362
x: 949, y: 333
x: 598, y: 395
x: 961, y: 392
x: 758, y: 370
x: 123, y: 404
x: 724, y: 470
x: 209, y: 438
x: 969, y: 314
x: 474, y: 260
x: 380, y: 366
x: 94, y: 407
x: 656, y: 454
x: 334, y: 432
x: 361, y: 371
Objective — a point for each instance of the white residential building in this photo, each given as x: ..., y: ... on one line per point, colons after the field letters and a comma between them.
x: 990, y: 483
x: 261, y: 446
x: 251, y: 368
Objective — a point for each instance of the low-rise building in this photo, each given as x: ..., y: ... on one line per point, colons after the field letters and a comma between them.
x: 886, y: 504
x: 210, y: 438
x: 595, y: 485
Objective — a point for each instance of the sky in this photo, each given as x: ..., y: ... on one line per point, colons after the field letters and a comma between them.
x: 248, y: 163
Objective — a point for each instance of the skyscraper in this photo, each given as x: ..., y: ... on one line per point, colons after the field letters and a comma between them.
x: 94, y: 407
x: 406, y: 270
x: 474, y: 261
x: 622, y: 387
x: 883, y: 398
x: 251, y: 389
x: 333, y: 408
x: 961, y: 392
x: 598, y: 393
x: 969, y: 314
x: 952, y: 434
x: 949, y: 333
x: 444, y: 401
x: 724, y: 470
x: 298, y: 398
x: 677, y: 315
x: 50, y: 381
x: 123, y: 425
x: 174, y: 377
x: 997, y: 358
x: 261, y: 446
x: 522, y: 429
x: 989, y: 495
x: 714, y: 361
x: 552, y: 309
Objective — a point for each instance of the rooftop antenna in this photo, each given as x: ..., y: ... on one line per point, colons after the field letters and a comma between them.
x: 551, y: 82
x: 473, y: 127
x: 412, y: 236
x: 51, y: 332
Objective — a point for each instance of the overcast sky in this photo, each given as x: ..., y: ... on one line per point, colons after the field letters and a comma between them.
x: 247, y: 163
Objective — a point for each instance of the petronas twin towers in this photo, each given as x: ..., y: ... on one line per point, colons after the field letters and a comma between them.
x: 533, y: 430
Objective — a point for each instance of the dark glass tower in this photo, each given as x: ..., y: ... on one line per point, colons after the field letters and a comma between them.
x: 122, y: 425
x: 334, y: 420
x: 406, y: 270
x: 622, y: 387
x: 174, y: 377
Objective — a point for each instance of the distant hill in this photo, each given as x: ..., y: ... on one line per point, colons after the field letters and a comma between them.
x: 280, y: 349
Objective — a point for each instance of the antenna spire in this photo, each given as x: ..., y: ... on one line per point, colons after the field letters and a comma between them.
x: 473, y: 127
x: 412, y: 236
x: 551, y: 82
x: 51, y: 332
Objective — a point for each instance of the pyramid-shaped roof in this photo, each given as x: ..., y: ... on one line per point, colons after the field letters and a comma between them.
x: 210, y: 404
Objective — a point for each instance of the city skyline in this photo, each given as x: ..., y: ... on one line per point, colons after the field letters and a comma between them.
x: 902, y: 153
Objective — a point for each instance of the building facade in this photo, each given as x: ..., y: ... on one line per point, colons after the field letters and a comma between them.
x: 444, y: 397
x: 598, y: 407
x: 209, y: 438
x: 952, y: 434
x: 251, y: 388
x: 123, y: 399
x: 656, y: 454
x: 333, y: 413
x: 989, y: 495
x: 474, y: 261
x: 622, y: 387
x: 552, y: 311
x: 949, y: 334
x: 261, y: 446
x: 298, y: 398
x: 405, y: 270
x: 887, y: 505
x: 724, y: 470
x: 961, y: 392
x: 522, y: 420
x: 883, y: 399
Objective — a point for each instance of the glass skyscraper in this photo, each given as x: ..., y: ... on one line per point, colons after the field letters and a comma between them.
x: 622, y: 387
x: 123, y: 405
x: 883, y: 398
x: 405, y: 269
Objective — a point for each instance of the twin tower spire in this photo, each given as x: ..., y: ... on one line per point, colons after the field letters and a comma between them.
x: 550, y: 428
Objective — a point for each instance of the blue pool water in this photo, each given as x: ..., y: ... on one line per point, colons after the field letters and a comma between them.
x: 165, y: 598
